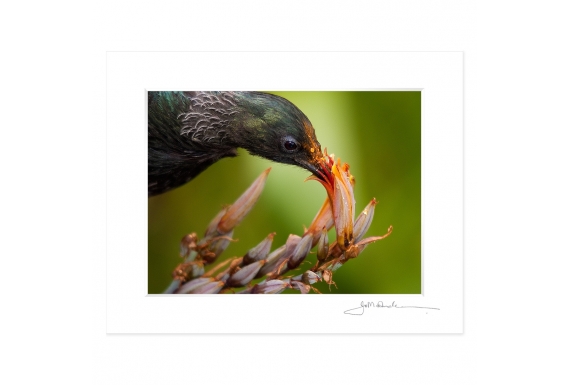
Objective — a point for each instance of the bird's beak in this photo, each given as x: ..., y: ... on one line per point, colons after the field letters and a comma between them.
x: 318, y: 167
x: 319, y: 164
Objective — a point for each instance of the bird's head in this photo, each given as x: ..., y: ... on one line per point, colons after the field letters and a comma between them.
x: 274, y: 128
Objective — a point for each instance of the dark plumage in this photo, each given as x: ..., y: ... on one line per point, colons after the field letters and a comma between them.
x: 188, y: 131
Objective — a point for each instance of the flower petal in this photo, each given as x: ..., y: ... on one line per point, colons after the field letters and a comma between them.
x: 323, y: 219
x: 343, y: 204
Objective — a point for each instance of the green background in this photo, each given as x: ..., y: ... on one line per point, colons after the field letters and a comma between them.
x: 377, y: 133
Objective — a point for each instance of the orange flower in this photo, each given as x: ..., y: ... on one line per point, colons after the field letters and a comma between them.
x: 338, y: 182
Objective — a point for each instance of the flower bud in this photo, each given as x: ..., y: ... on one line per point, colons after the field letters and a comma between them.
x: 234, y: 266
x: 276, y: 259
x: 356, y: 249
x: 323, y: 246
x: 364, y: 221
x: 216, y: 246
x: 245, y: 275
x: 272, y: 260
x: 302, y: 287
x: 274, y: 286
x: 276, y: 254
x: 237, y: 212
x: 212, y: 230
x: 188, y: 270
x: 192, y: 285
x: 259, y: 252
x: 310, y: 277
x: 187, y: 244
x: 209, y: 288
x: 301, y: 251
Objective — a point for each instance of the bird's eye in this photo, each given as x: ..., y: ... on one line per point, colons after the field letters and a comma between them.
x: 290, y: 144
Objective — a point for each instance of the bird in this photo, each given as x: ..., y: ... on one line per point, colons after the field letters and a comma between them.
x: 188, y: 131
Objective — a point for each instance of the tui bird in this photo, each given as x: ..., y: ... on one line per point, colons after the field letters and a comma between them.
x: 189, y: 131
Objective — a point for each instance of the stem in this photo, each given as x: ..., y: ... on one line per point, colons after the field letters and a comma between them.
x: 172, y: 288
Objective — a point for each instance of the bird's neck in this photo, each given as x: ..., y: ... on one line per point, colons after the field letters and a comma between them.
x: 212, y: 118
x: 222, y: 120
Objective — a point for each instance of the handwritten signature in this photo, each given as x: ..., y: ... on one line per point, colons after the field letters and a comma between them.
x: 380, y: 304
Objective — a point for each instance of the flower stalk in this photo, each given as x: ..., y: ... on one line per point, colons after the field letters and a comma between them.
x: 190, y: 276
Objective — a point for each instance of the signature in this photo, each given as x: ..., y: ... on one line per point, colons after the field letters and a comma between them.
x: 380, y: 304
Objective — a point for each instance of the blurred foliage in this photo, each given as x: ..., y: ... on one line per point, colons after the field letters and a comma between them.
x: 377, y: 133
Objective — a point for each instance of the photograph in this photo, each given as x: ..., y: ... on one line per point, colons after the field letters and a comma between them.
x: 254, y: 192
